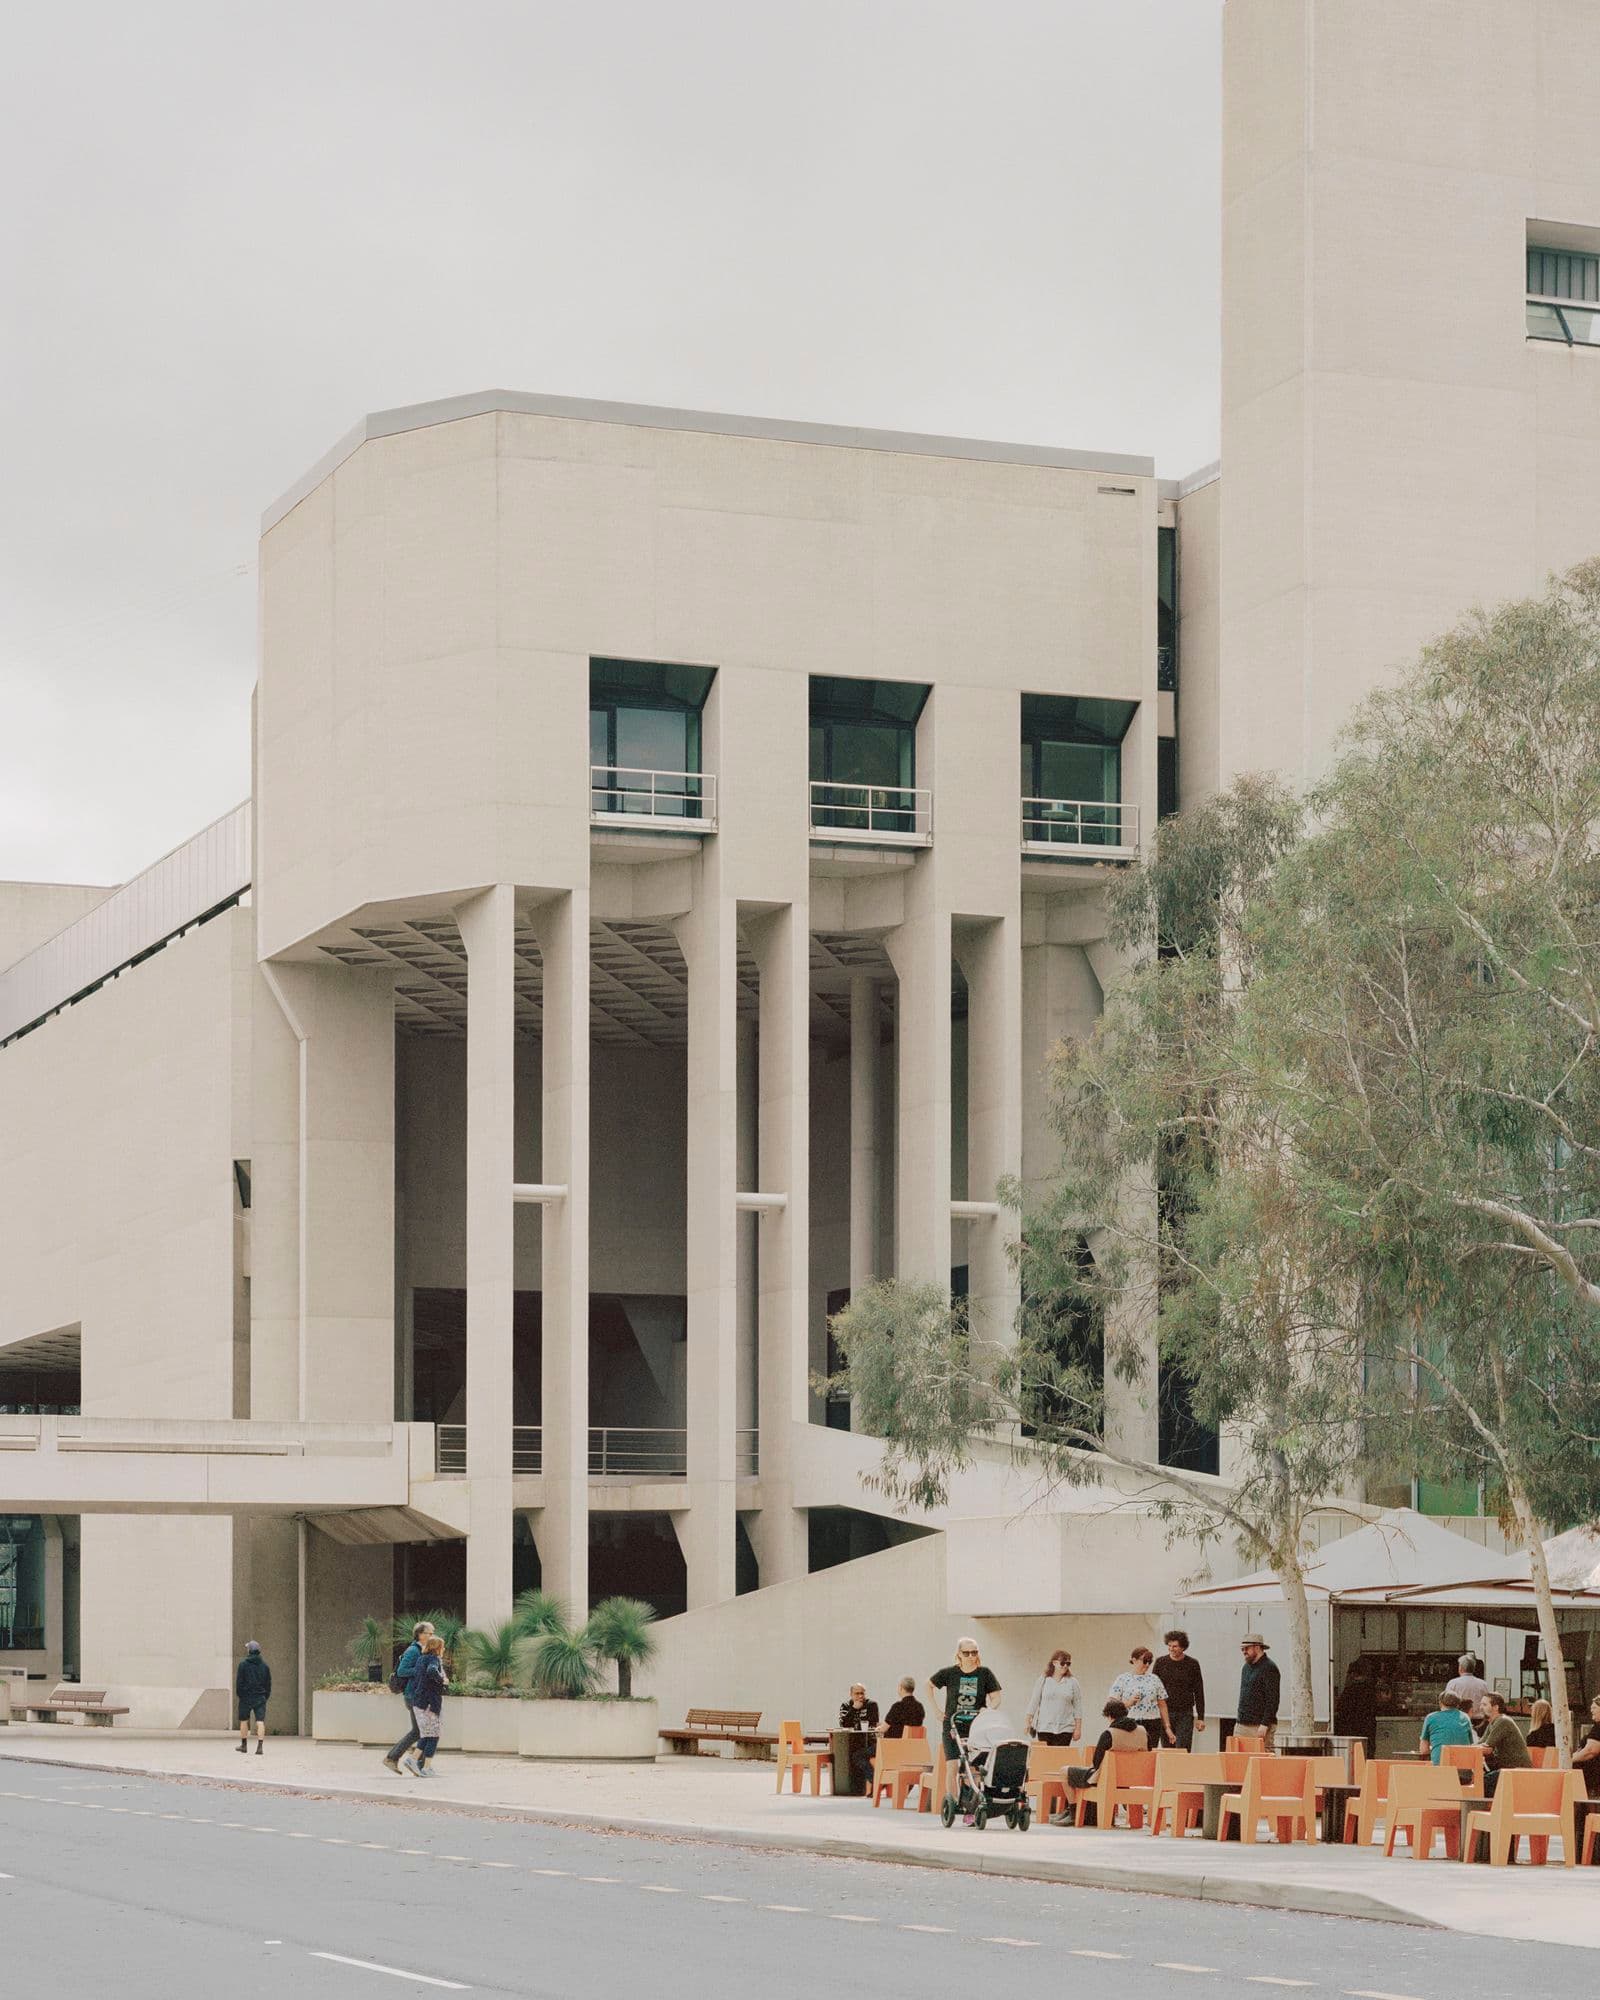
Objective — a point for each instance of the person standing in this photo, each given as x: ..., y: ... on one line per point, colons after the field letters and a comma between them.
x: 1055, y: 1709
x: 400, y: 1682
x: 1143, y: 1696
x: 1257, y: 1712
x: 428, y: 1684
x: 252, y: 1687
x: 1186, y: 1689
x: 1470, y: 1689
x: 965, y: 1688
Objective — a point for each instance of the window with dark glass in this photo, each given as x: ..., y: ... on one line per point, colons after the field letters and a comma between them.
x: 1072, y: 769
x: 1167, y: 609
x: 644, y: 738
x: 864, y: 754
x: 1564, y: 296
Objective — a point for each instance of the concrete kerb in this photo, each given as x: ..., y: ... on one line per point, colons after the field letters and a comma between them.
x: 1299, y: 1898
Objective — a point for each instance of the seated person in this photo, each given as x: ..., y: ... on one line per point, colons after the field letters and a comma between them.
x: 1586, y: 1758
x: 860, y: 1717
x: 1503, y: 1747
x: 1120, y: 1733
x: 1447, y: 1724
x: 904, y: 1713
x: 1541, y: 1726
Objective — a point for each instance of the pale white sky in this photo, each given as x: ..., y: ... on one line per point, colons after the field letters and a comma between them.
x: 227, y: 233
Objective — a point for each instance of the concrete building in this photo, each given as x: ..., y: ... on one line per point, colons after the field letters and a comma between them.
x: 676, y: 842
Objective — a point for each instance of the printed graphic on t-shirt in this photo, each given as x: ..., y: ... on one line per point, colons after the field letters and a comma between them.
x: 966, y: 1698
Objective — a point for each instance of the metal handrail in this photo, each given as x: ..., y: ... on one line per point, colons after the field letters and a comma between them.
x: 747, y: 1453
x: 900, y: 815
x: 1089, y: 824
x: 621, y: 791
x: 615, y: 1451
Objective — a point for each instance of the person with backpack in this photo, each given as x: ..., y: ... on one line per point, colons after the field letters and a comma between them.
x: 428, y: 1684
x: 252, y: 1686
x: 400, y: 1683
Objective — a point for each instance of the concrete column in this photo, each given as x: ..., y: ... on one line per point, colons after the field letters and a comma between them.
x: 920, y: 952
x: 563, y: 1531
x: 991, y: 957
x: 780, y: 940
x: 488, y: 930
x: 864, y: 1046
x: 708, y: 935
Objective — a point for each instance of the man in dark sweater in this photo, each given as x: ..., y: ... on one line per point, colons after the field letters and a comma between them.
x: 252, y: 1685
x: 1257, y: 1713
x: 1186, y: 1689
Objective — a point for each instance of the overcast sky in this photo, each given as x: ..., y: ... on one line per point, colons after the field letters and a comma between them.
x: 229, y: 232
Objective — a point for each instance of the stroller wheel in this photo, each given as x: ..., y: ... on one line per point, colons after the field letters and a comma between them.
x: 1024, y: 1819
x: 947, y: 1812
x: 1011, y: 1818
x: 980, y: 1819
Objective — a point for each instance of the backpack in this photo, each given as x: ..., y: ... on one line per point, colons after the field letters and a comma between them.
x: 396, y: 1685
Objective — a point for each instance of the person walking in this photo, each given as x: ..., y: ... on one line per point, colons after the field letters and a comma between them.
x: 965, y: 1688
x: 1143, y: 1696
x: 252, y: 1687
x: 1259, y: 1682
x: 1055, y: 1708
x: 400, y: 1682
x: 1186, y: 1689
x: 428, y: 1684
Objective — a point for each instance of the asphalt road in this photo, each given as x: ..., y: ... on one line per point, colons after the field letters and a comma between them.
x: 172, y: 1887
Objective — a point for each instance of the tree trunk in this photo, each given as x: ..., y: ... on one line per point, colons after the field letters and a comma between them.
x: 625, y: 1679
x: 1549, y: 1631
x: 1302, y: 1701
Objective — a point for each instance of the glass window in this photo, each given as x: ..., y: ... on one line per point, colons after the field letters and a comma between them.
x: 1072, y: 769
x: 863, y: 748
x: 1545, y: 323
x: 644, y: 737
x: 21, y: 1583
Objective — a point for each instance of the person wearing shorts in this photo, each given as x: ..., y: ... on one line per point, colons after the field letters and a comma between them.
x: 252, y: 1687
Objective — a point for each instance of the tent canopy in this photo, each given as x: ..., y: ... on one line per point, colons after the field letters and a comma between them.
x: 1398, y: 1552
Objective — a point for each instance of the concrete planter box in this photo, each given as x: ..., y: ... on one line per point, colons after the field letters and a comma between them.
x: 589, y: 1731
x: 579, y: 1731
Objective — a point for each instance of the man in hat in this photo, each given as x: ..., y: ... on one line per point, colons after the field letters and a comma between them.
x: 252, y: 1685
x: 1257, y: 1713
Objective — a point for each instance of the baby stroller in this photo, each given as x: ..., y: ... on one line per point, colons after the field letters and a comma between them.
x: 996, y: 1789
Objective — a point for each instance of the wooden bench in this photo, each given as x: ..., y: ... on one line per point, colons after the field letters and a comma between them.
x: 715, y: 1726
x: 67, y: 1698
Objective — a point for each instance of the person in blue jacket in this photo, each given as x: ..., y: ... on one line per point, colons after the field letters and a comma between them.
x: 428, y: 1684
x: 400, y: 1682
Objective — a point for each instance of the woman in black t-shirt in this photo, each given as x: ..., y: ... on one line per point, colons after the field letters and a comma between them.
x: 964, y: 1689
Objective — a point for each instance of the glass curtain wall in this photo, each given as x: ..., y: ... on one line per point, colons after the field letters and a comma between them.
x: 21, y: 1583
x: 644, y: 739
x: 1072, y: 769
x: 864, y: 754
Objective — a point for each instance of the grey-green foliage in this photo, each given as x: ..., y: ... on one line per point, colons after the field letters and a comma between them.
x: 619, y: 1630
x: 371, y: 1645
x: 499, y: 1657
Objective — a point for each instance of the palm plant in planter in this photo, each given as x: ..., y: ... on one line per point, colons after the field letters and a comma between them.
x: 536, y: 1612
x: 498, y: 1656
x: 619, y: 1630
x: 371, y: 1647
x: 562, y: 1664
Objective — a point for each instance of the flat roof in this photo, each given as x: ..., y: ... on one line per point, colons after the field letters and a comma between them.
x: 419, y: 416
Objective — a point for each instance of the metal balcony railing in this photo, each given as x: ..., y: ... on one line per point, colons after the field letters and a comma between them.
x: 879, y: 815
x: 674, y: 801
x: 615, y: 1451
x: 1089, y: 826
x: 747, y: 1454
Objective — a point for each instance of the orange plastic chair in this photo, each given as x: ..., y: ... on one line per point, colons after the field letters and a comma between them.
x: 1125, y: 1778
x: 1464, y: 1757
x: 1047, y: 1775
x: 1531, y: 1805
x: 902, y: 1762
x: 797, y: 1763
x: 1545, y: 1759
x: 1275, y: 1788
x: 1246, y: 1746
x: 1424, y: 1801
x: 1370, y: 1807
x: 1177, y: 1799
x: 1358, y: 1760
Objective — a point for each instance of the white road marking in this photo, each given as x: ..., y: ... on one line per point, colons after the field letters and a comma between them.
x: 1269, y: 1979
x: 549, y: 1871
x: 420, y: 1853
x: 442, y: 1857
x: 932, y: 1930
x: 1020, y: 1943
x: 1366, y: 1993
x: 1177, y: 1965
x: 1099, y: 1954
x: 658, y: 1889
x: 722, y: 1899
x: 599, y: 1878
x: 489, y: 1864
x: 7, y: 1878
x: 844, y: 1917
x: 377, y: 1846
x: 263, y: 1829
x: 394, y: 1971
x: 332, y: 1840
x: 788, y: 1909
